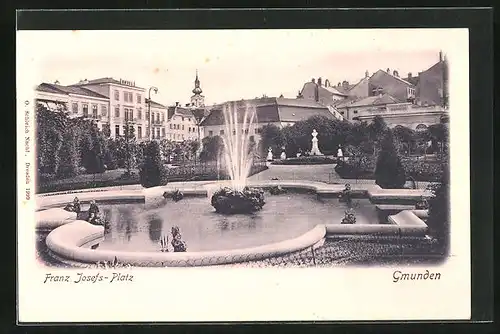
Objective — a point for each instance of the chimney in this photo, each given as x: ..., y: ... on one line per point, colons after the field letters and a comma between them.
x: 388, y: 70
x: 56, y: 82
x: 440, y: 56
x: 313, y: 80
x: 367, y: 74
x: 409, y: 75
x: 327, y: 83
x: 316, y: 93
x: 395, y: 73
x: 345, y: 84
x: 176, y: 104
x: 338, y: 85
x: 319, y: 81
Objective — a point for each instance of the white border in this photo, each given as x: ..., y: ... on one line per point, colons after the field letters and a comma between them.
x: 228, y: 294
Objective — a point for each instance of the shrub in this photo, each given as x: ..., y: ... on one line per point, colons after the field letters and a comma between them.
x: 150, y: 173
x: 389, y: 171
x: 439, y: 211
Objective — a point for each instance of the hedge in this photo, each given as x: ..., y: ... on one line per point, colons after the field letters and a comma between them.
x: 309, y: 160
x: 420, y: 170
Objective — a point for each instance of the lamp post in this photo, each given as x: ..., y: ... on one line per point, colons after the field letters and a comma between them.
x: 149, y: 111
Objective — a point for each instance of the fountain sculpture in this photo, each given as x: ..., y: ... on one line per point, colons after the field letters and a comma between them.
x: 238, y: 198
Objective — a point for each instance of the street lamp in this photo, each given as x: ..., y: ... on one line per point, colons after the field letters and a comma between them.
x: 149, y: 110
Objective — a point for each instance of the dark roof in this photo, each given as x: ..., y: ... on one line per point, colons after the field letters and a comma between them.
x: 53, y: 88
x: 413, y: 80
x: 157, y: 105
x: 270, y: 110
x: 375, y: 100
x: 178, y: 110
x: 390, y: 75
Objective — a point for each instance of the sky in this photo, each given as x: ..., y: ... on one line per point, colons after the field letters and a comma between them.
x: 232, y: 64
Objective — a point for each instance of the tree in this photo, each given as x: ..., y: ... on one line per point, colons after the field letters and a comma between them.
x: 49, y: 138
x: 166, y: 148
x: 68, y: 156
x: 389, y: 171
x: 150, y: 173
x: 271, y: 136
x: 212, y: 148
x: 376, y: 131
x: 404, y: 135
x: 439, y: 210
x: 130, y: 145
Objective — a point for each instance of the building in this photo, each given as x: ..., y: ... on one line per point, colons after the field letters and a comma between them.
x: 197, y: 100
x: 432, y: 86
x: 111, y: 102
x: 181, y: 123
x: 277, y: 111
x: 77, y: 101
x: 158, y: 122
x: 126, y: 103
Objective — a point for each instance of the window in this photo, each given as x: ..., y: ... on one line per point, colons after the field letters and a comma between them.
x: 130, y: 97
x: 117, y: 96
x: 163, y: 132
x: 94, y: 110
x: 256, y: 130
x: 221, y: 132
x: 252, y: 139
x: 117, y: 130
x: 162, y: 117
x: 139, y: 113
x: 234, y: 132
x: 246, y: 131
x: 182, y: 137
x: 158, y: 132
x: 104, y: 110
x: 170, y: 125
x: 85, y: 110
x: 139, y: 98
x: 139, y: 132
x: 147, y: 131
x: 182, y: 126
x: 355, y: 111
x: 341, y: 112
x: 210, y: 133
x: 75, y: 108
x: 117, y: 111
x: 131, y: 111
x: 125, y: 96
x: 183, y: 119
x: 158, y: 118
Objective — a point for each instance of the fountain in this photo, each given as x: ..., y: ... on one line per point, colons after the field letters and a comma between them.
x: 238, y: 198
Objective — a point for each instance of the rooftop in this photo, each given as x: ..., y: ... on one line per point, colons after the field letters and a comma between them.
x: 58, y: 89
x: 106, y: 80
x: 269, y: 110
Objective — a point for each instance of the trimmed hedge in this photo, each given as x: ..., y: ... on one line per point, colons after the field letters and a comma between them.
x: 420, y: 170
x: 48, y: 187
x: 309, y: 160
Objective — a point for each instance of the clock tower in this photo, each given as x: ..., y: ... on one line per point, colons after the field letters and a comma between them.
x: 197, y: 100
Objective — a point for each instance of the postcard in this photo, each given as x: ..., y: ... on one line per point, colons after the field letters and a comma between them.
x: 243, y: 175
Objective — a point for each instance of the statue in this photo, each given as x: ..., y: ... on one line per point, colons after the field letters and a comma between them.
x: 230, y: 201
x: 177, y: 242
x: 73, y: 206
x: 349, y: 217
x: 283, y: 155
x: 422, y: 204
x: 340, y: 154
x: 346, y: 195
x: 315, y: 148
x: 270, y: 154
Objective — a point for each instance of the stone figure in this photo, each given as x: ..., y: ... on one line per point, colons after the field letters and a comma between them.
x: 349, y: 217
x: 315, y: 149
x: 177, y: 243
x: 270, y: 154
x: 422, y: 204
x: 283, y: 155
x: 340, y: 154
x: 346, y: 195
x: 94, y: 213
x: 73, y: 206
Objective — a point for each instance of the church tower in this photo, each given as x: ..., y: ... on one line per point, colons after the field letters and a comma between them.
x: 197, y: 100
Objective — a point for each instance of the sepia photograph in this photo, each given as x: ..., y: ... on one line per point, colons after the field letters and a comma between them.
x: 324, y: 152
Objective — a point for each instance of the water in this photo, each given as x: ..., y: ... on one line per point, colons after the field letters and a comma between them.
x: 237, y: 156
x: 137, y: 227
